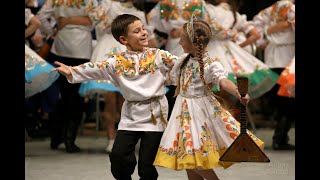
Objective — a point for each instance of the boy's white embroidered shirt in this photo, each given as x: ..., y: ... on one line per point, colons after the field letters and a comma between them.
x: 141, y: 77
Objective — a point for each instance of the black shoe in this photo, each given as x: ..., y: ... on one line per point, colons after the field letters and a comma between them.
x: 54, y: 144
x: 72, y: 148
x: 276, y: 146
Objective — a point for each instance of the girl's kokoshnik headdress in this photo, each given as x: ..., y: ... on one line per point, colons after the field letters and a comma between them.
x: 190, y: 30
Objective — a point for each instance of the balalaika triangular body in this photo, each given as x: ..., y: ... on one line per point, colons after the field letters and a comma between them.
x: 244, y: 149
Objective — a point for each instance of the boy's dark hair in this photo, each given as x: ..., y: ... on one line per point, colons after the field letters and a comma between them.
x: 119, y: 26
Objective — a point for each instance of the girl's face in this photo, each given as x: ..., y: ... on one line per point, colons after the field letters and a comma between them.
x: 137, y: 36
x: 186, y: 44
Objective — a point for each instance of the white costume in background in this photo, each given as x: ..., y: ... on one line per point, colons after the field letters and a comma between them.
x: 172, y: 14
x: 236, y: 60
x: 73, y: 41
x: 37, y: 71
x: 281, y: 47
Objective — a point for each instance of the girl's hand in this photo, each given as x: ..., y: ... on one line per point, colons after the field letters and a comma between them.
x: 245, y: 100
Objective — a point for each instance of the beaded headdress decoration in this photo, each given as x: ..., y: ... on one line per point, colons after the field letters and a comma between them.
x: 190, y: 30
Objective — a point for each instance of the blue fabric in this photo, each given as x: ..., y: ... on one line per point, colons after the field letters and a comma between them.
x: 39, y: 78
x: 96, y: 86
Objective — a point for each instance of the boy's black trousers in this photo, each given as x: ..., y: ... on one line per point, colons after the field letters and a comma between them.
x: 123, y: 159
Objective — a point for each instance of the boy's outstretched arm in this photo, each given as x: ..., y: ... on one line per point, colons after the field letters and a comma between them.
x: 100, y: 70
x: 63, y: 69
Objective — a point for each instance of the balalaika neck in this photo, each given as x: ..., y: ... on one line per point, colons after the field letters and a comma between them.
x: 243, y: 119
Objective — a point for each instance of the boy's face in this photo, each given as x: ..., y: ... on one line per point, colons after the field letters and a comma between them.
x: 137, y: 36
x: 185, y: 43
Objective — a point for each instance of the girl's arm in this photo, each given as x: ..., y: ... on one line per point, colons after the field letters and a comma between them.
x: 168, y: 62
x: 247, y: 27
x: 33, y: 25
x: 218, y: 31
x: 217, y: 75
x: 280, y: 26
x: 231, y: 88
x: 253, y: 36
x: 221, y: 33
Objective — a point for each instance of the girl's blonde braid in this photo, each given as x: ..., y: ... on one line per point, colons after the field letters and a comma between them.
x: 184, y: 63
x: 199, y: 45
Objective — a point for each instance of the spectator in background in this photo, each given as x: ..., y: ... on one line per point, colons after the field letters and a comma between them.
x: 277, y: 24
x: 72, y: 45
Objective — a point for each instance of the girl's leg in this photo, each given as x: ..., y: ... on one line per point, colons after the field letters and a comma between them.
x: 208, y: 174
x: 192, y: 175
x: 120, y: 101
x: 110, y: 117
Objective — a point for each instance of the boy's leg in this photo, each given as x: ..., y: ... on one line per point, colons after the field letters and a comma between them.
x: 122, y: 157
x: 148, y: 150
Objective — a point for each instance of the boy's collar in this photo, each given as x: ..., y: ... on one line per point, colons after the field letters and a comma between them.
x: 136, y: 52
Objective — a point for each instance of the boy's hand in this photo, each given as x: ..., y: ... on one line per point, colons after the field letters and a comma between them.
x: 245, y: 100
x: 63, y: 69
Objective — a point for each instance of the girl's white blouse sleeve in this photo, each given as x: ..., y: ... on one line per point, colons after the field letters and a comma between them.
x: 242, y: 24
x: 262, y: 19
x: 214, y: 72
x: 44, y: 14
x: 98, y: 12
x: 27, y: 16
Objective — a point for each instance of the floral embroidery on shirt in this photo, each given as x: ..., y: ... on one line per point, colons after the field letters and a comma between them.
x: 209, y: 61
x: 188, y: 73
x: 68, y: 3
x: 170, y: 10
x: 100, y: 64
x: 99, y: 16
x: 279, y: 11
x: 147, y: 62
x: 192, y: 7
x: 124, y: 66
x: 167, y: 58
x: 103, y: 63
